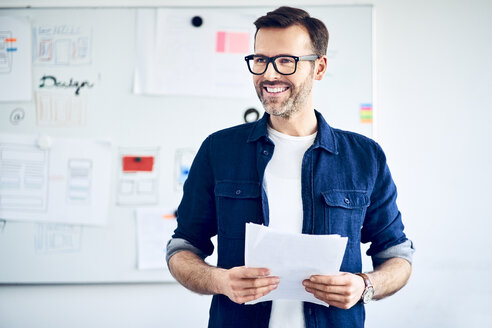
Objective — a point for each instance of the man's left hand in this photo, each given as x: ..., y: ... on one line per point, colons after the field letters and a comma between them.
x: 343, y: 290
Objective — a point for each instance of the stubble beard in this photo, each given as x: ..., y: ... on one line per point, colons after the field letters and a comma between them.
x: 290, y: 106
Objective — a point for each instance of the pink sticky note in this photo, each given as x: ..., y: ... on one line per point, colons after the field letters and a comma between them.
x: 220, y: 41
x: 238, y: 42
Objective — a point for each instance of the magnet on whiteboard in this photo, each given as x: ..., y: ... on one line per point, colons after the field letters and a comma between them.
x: 251, y: 115
x: 196, y: 21
x: 45, y: 142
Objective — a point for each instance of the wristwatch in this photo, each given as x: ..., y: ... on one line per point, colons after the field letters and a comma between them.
x: 368, y: 291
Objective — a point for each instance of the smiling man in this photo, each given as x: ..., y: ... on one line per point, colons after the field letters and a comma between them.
x: 295, y: 173
x: 286, y: 93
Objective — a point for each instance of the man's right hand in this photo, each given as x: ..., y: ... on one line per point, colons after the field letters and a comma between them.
x: 242, y: 284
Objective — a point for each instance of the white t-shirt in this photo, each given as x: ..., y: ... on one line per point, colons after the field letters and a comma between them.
x: 282, y: 184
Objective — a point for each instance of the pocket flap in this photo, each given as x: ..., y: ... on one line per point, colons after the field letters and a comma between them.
x: 237, y: 189
x: 346, y: 198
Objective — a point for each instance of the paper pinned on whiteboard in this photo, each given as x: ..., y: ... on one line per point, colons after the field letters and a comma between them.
x: 138, y: 176
x: 69, y: 182
x: 170, y: 50
x: 155, y: 227
x: 15, y: 59
x: 182, y: 165
x: 62, y: 44
x: 301, y: 256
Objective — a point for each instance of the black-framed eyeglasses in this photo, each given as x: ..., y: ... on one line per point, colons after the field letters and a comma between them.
x: 283, y: 64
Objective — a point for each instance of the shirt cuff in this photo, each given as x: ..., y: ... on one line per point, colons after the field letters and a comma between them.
x: 176, y: 245
x: 404, y: 250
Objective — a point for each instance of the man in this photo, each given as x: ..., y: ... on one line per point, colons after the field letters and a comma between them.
x: 292, y: 172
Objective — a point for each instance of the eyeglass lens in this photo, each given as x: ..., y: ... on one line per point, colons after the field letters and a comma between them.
x: 283, y: 65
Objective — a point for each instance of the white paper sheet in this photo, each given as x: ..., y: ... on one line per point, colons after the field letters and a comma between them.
x: 62, y: 44
x: 155, y: 226
x: 53, y: 238
x: 292, y: 258
x: 182, y: 163
x: 66, y: 181
x: 15, y: 59
x: 176, y: 58
x: 140, y: 187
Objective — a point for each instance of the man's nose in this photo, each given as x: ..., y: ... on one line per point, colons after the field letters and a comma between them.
x: 271, y: 73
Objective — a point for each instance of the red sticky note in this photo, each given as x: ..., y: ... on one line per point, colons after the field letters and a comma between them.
x: 138, y: 163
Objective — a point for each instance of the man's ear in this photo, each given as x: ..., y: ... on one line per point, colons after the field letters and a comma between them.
x: 320, y: 67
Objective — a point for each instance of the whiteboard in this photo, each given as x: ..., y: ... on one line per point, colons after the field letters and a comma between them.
x: 169, y: 123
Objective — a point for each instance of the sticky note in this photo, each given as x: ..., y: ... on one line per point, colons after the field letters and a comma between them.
x: 366, y: 113
x: 138, y: 163
x: 220, y: 42
x: 238, y: 42
x: 232, y: 42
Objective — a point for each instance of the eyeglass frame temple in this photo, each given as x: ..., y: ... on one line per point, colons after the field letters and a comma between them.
x: 312, y: 57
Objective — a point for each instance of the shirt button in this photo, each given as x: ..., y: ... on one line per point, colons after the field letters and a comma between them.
x: 238, y: 191
x: 265, y: 152
x: 347, y: 201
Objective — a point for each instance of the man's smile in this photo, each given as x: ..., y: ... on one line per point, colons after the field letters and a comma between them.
x: 275, y: 89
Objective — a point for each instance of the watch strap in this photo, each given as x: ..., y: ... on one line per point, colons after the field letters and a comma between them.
x: 367, y: 281
x: 368, y: 290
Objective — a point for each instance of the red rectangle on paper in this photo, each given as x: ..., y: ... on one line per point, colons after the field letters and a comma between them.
x: 138, y: 163
x: 220, y: 43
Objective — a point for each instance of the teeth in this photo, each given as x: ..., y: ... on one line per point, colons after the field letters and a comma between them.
x: 275, y: 90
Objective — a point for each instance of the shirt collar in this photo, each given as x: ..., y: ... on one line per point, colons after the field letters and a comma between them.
x: 324, y: 139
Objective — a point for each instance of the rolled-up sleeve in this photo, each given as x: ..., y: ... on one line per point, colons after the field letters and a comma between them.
x: 404, y: 250
x: 176, y: 245
x: 383, y: 226
x: 196, y: 213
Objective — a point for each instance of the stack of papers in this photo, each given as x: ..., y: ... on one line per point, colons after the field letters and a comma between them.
x: 292, y: 257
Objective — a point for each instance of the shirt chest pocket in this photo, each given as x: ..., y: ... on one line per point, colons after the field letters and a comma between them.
x: 344, y: 212
x: 237, y: 202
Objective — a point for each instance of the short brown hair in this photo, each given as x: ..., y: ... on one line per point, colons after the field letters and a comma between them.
x: 288, y: 16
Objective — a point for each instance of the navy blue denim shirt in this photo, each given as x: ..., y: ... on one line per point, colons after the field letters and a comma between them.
x: 347, y: 189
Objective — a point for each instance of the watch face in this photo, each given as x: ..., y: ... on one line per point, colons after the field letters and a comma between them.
x: 368, y: 295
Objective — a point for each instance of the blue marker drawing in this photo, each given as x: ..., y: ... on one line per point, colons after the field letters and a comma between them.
x: 185, y: 170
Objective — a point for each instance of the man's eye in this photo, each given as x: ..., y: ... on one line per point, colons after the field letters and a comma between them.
x: 285, y: 60
x: 260, y: 60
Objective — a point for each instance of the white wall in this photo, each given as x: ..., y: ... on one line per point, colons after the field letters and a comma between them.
x: 433, y: 63
x: 434, y: 68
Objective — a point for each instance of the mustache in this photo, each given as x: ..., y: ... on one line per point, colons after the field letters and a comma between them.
x: 273, y: 84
